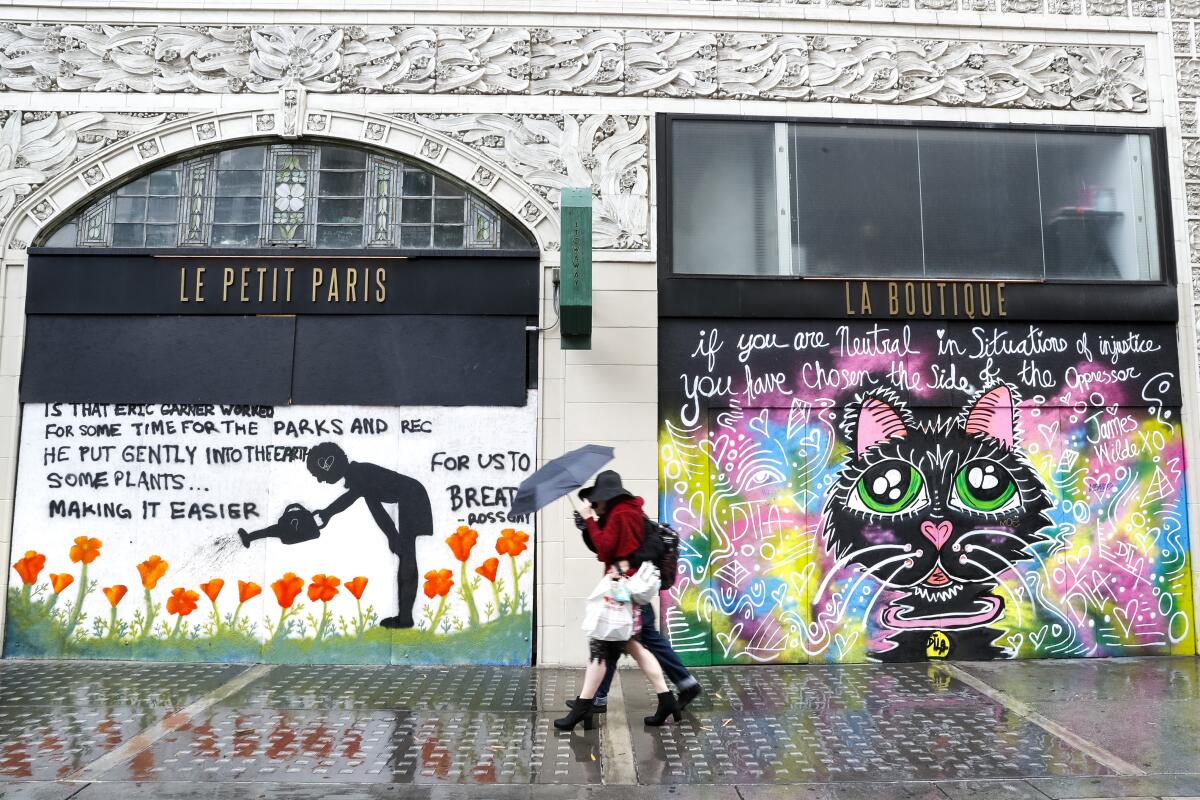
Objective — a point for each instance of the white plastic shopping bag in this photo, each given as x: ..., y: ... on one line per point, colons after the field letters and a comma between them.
x: 607, y: 617
x: 644, y: 584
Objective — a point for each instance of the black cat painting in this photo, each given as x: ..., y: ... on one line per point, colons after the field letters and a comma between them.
x: 938, y: 512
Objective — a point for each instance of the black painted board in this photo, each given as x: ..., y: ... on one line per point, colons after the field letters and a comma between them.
x: 149, y: 359
x: 410, y: 360
x: 105, y: 283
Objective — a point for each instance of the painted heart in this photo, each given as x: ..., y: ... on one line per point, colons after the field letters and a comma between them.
x: 1125, y: 616
x: 1078, y: 562
x: 939, y: 534
x: 843, y: 644
x: 325, y: 463
x: 1015, y: 641
x: 1048, y: 432
x: 1039, y: 636
x: 760, y: 423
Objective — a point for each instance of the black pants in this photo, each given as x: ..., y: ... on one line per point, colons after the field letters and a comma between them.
x: 407, y: 576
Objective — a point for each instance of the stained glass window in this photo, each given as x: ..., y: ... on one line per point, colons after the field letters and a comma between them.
x: 292, y: 195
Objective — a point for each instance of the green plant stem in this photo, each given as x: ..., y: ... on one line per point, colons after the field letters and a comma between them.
x: 25, y: 590
x: 149, y: 623
x: 234, y: 620
x: 216, y: 615
x: 283, y: 616
x: 361, y: 625
x: 496, y: 594
x: 112, y: 623
x: 175, y: 630
x: 516, y: 583
x: 324, y: 620
x: 468, y: 595
x: 437, y: 615
x: 78, y: 609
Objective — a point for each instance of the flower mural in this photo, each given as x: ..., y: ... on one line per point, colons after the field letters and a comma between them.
x: 451, y: 611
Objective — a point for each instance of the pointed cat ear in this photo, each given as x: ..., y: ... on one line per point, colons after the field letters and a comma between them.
x: 994, y: 415
x: 877, y: 422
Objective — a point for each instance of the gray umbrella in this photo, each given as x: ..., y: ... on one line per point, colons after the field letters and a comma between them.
x: 560, y: 477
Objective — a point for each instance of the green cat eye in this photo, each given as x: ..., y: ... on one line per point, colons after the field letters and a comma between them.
x: 890, y: 487
x: 984, y: 486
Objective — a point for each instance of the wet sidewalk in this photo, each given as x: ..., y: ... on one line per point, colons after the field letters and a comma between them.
x: 1050, y: 729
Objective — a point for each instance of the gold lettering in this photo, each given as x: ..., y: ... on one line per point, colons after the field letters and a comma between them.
x: 1000, y: 309
x: 318, y: 277
x: 954, y: 298
x: 969, y: 300
x: 245, y: 284
x: 287, y: 271
x: 865, y: 299
x: 200, y: 284
x: 910, y: 299
x: 332, y: 297
x: 262, y: 274
x: 893, y: 299
x: 985, y: 300
x: 226, y: 283
x: 941, y: 298
x: 183, y: 285
x: 351, y: 285
x: 846, y: 289
x: 380, y: 284
x: 274, y: 285
x: 926, y: 299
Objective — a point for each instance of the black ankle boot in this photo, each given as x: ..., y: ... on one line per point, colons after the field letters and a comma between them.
x: 581, y: 709
x: 687, y: 695
x: 595, y: 708
x: 667, y: 707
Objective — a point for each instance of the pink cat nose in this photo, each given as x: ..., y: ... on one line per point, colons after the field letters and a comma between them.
x: 938, y: 533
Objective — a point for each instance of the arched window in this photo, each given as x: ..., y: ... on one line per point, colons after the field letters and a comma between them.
x: 292, y: 195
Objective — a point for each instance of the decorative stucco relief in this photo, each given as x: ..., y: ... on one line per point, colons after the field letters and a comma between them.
x: 36, y: 146
x: 521, y: 61
x: 608, y: 152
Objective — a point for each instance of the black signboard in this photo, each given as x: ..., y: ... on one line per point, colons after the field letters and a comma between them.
x: 117, y: 283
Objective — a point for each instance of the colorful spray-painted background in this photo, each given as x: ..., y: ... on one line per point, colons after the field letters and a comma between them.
x: 126, y: 537
x: 761, y: 421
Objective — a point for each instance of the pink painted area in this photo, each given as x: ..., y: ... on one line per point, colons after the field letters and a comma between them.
x: 992, y: 415
x: 877, y: 422
x: 939, y: 534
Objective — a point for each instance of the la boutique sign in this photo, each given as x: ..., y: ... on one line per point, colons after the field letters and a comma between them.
x: 917, y: 299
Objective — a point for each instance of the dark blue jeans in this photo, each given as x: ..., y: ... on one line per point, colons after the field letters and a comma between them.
x: 653, y: 640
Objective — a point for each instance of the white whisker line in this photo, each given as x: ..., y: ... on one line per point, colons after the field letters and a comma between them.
x: 870, y: 605
x: 992, y: 532
x: 843, y: 561
x: 1001, y: 583
x: 1034, y: 597
x: 863, y: 576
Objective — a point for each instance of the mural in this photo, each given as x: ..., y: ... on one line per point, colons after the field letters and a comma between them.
x: 300, y: 533
x: 908, y: 491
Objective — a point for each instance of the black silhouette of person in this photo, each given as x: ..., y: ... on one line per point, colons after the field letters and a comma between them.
x: 379, y: 486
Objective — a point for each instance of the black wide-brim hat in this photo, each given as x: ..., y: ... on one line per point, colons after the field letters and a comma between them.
x: 607, y: 486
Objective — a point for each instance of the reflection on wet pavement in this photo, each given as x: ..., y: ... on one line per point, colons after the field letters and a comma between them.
x: 846, y: 728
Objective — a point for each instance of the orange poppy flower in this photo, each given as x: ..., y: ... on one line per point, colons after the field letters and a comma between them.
x: 152, y: 570
x: 438, y: 583
x: 213, y: 588
x: 30, y: 566
x: 287, y: 589
x: 511, y: 542
x: 248, y: 589
x: 356, y: 587
x: 85, y: 549
x: 182, y: 601
x: 60, y: 581
x: 115, y: 593
x: 461, y: 542
x: 488, y: 569
x: 323, y: 588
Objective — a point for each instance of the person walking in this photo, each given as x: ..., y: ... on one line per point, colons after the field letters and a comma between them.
x: 615, y: 532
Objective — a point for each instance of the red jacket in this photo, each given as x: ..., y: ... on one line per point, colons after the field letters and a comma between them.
x: 622, y: 532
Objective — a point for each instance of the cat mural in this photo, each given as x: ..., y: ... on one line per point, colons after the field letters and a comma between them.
x: 937, y: 512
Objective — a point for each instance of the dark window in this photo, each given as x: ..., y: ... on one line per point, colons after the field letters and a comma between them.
x: 288, y: 195
x: 762, y: 199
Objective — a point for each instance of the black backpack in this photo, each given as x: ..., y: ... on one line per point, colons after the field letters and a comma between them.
x: 660, y: 544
